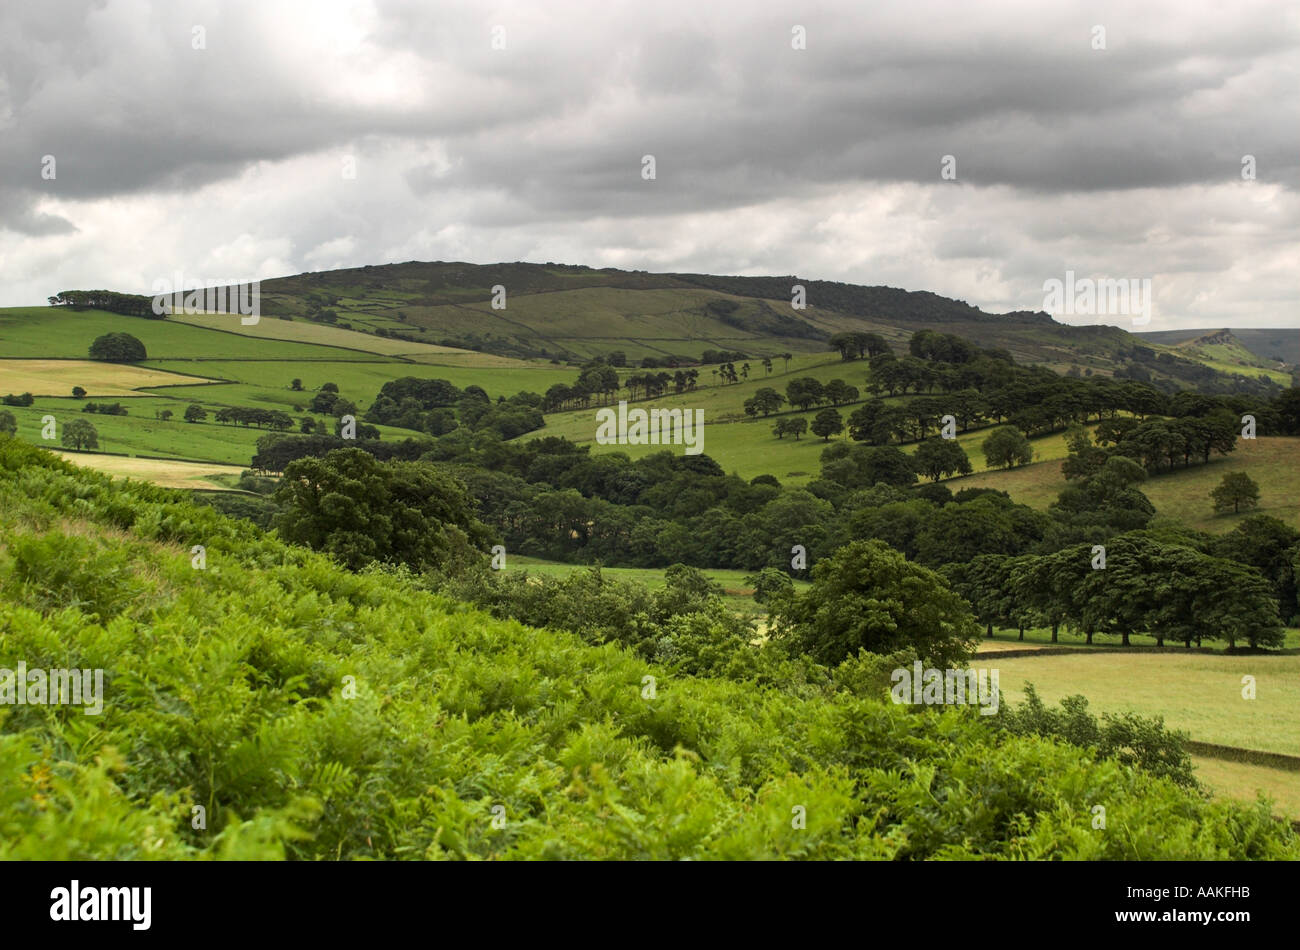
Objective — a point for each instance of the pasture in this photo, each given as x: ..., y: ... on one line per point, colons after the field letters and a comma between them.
x: 59, y: 333
x: 1272, y: 461
x: 1198, y: 693
x: 165, y: 472
x: 57, y: 377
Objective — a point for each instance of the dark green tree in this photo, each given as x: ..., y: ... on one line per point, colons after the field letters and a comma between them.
x: 360, y: 510
x: 118, y: 348
x: 80, y: 434
x: 867, y: 596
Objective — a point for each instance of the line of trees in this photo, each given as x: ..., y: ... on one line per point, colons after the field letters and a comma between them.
x: 1133, y: 584
x: 245, y: 415
x: 131, y: 305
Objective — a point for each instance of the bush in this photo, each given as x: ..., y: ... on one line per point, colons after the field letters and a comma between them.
x: 118, y: 348
x: 1129, y: 739
x: 56, y: 570
x: 867, y: 596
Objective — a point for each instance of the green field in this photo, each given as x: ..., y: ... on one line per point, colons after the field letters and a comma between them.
x: 747, y: 446
x: 57, y: 377
x: 139, y: 433
x: 57, y: 333
x: 302, y: 331
x: 1244, y: 780
x: 1195, y: 692
x: 1042, y: 636
x: 736, y: 592
x: 1200, y: 694
x: 1273, y: 462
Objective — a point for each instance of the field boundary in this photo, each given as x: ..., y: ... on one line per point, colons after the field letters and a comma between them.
x: 1232, y: 753
x: 1167, y: 651
x: 127, y: 455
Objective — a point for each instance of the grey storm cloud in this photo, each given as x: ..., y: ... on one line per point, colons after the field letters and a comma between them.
x: 550, y: 131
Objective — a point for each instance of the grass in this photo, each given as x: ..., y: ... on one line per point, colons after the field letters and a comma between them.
x: 737, y: 593
x: 1042, y: 636
x: 1244, y: 781
x: 748, y: 447
x: 1197, y: 693
x: 267, y: 383
x: 59, y: 333
x: 591, y: 320
x: 304, y: 331
x: 167, y: 473
x: 1273, y: 462
x: 57, y: 377
x: 139, y: 433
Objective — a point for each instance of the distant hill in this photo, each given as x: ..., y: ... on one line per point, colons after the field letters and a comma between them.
x: 1272, y: 345
x: 570, y: 313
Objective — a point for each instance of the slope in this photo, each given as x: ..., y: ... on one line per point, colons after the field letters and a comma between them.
x: 301, y: 711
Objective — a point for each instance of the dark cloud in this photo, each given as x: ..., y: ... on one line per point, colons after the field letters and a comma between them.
x: 463, y: 146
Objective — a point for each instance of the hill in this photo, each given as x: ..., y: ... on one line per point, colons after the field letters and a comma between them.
x: 1267, y: 348
x: 1184, y: 494
x: 272, y: 704
x: 572, y: 312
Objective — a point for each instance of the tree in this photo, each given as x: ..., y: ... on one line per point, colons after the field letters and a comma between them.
x: 770, y: 584
x: 80, y: 434
x: 938, y: 458
x: 1270, y: 546
x: 118, y: 348
x: 1006, y: 446
x: 361, y: 510
x: 839, y: 392
x: 867, y: 596
x: 827, y: 423
x: 78, y: 392
x: 765, y: 401
x: 804, y: 392
x: 8, y: 424
x: 165, y: 415
x: 296, y: 385
x: 323, y: 403
x: 1236, y: 489
x: 195, y: 413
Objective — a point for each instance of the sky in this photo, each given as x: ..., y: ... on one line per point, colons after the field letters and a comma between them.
x: 976, y: 150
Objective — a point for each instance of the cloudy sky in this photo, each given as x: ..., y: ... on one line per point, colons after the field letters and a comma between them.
x: 215, y: 139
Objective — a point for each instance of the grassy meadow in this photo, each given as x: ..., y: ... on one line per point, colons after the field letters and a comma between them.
x: 57, y: 377
x: 1273, y: 462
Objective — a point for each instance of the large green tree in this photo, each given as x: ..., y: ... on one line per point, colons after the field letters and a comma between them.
x: 118, y: 348
x: 867, y: 596
x: 1006, y: 446
x: 939, y: 458
x: 360, y: 510
x: 1236, y: 489
x: 827, y: 423
x: 80, y: 434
